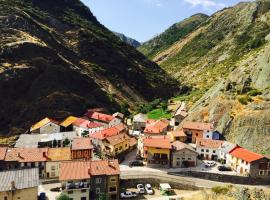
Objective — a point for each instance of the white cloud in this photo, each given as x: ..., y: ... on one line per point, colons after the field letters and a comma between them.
x: 207, y: 4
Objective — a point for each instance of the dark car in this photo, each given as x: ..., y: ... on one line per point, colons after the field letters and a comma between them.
x: 136, y: 163
x: 42, y: 196
x: 224, y: 168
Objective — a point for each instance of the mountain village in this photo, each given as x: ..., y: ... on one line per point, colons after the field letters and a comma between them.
x: 88, y: 154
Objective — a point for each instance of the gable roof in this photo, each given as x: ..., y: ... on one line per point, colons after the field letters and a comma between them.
x: 42, y: 123
x: 3, y: 151
x: 227, y: 146
x: 177, y: 145
x: 59, y: 154
x: 80, y: 122
x: 78, y: 170
x: 81, y: 144
x: 26, y: 154
x: 198, y: 126
x: 99, y: 116
x: 157, y: 127
x: 68, y: 121
x: 107, y: 132
x: 245, y: 154
x: 117, y: 139
x: 178, y: 133
x: 157, y: 142
x: 22, y: 178
x: 208, y: 143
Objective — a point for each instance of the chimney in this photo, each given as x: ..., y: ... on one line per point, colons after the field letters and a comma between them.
x: 44, y: 154
x: 13, y: 187
x: 19, y: 155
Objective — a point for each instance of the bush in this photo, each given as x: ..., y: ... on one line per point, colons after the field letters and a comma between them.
x: 254, y: 92
x: 220, y: 190
x: 244, y: 100
x: 62, y: 197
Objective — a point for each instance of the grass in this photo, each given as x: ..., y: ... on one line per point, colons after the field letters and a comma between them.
x: 159, y: 113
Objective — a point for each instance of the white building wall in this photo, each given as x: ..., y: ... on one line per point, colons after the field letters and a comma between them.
x: 50, y: 128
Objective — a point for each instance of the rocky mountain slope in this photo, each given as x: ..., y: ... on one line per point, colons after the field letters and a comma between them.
x: 226, y: 64
x: 128, y: 40
x: 56, y: 59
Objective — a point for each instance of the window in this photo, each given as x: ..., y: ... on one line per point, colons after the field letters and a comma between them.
x: 268, y: 172
x: 53, y: 167
x: 113, y: 179
x: 197, y: 134
x: 189, y: 158
x: 83, y: 198
x: 70, y: 192
x: 207, y: 136
x: 5, y: 198
x: 268, y: 164
x: 183, y: 158
x: 98, y: 180
x: 83, y: 191
x: 112, y: 189
x: 116, y: 149
x: 126, y: 145
x: 261, y: 172
x: 202, y: 150
x: 53, y: 174
x: 207, y: 150
x: 18, y: 197
x: 214, y: 151
x: 120, y: 148
x: 97, y: 190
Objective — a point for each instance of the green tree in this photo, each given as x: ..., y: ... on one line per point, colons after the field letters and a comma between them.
x: 62, y: 197
x: 103, y: 196
x: 66, y: 142
x: 85, y: 133
x: 54, y: 143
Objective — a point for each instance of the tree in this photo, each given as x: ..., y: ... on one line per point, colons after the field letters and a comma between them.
x: 66, y: 142
x: 103, y: 196
x: 62, y: 197
x: 54, y: 143
x: 85, y: 133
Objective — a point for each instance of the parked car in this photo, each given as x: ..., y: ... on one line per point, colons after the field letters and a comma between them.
x: 149, y: 189
x: 224, y: 168
x: 138, y: 157
x: 140, y: 188
x: 210, y: 164
x: 136, y: 163
x: 42, y: 196
x: 128, y: 194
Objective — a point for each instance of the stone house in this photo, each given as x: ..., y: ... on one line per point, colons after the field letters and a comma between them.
x: 45, y: 126
x: 208, y: 149
x: 82, y: 148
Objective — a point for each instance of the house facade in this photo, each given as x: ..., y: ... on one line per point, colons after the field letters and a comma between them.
x: 183, y: 155
x: 19, y: 184
x: 82, y: 126
x: 180, y: 114
x: 208, y: 149
x: 102, y: 118
x: 81, y: 148
x: 177, y: 135
x: 198, y: 130
x: 45, y: 126
x: 248, y: 163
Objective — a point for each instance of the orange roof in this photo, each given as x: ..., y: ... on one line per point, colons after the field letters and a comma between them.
x: 106, y: 133
x: 68, y: 121
x: 99, y: 116
x: 80, y: 122
x: 42, y: 123
x: 157, y: 142
x: 245, y: 154
x: 3, y: 151
x: 78, y: 170
x: 208, y: 143
x: 117, y: 139
x: 75, y: 170
x: 59, y: 154
x: 105, y: 167
x: 26, y: 154
x: 178, y: 133
x: 81, y: 143
x: 156, y: 127
x: 198, y: 126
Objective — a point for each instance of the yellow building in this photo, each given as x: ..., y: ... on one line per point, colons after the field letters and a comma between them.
x: 116, y: 144
x: 55, y: 157
x: 23, y: 184
x: 156, y: 150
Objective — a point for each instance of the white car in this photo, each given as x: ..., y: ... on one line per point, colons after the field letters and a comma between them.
x: 210, y: 163
x: 149, y: 189
x: 140, y: 188
x: 128, y: 194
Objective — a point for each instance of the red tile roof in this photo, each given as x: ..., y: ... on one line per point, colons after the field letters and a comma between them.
x: 81, y: 143
x: 78, y: 170
x: 245, y: 154
x: 157, y: 142
x: 99, y: 116
x: 117, y: 139
x: 178, y: 133
x: 198, y: 126
x: 106, y: 133
x: 156, y: 127
x: 208, y: 143
x: 3, y: 151
x: 75, y: 170
x: 26, y: 154
x: 86, y: 124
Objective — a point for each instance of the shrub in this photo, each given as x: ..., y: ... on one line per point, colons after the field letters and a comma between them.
x: 62, y: 197
x: 220, y: 190
x: 254, y: 92
x: 244, y: 100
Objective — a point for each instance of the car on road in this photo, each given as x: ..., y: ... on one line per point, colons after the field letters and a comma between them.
x: 148, y: 189
x: 210, y: 164
x: 140, y: 188
x: 128, y: 194
x: 224, y: 168
x: 42, y: 196
x: 136, y: 163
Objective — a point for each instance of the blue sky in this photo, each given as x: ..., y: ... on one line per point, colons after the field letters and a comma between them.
x: 143, y: 19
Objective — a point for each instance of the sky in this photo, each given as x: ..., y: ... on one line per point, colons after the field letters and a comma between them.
x: 144, y: 19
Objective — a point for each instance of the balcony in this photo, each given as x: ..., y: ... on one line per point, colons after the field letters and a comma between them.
x: 77, y: 186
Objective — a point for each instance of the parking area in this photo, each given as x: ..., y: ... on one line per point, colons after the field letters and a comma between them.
x: 51, y: 194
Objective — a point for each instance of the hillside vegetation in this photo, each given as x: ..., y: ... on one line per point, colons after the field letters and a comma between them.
x: 56, y: 59
x: 225, y: 63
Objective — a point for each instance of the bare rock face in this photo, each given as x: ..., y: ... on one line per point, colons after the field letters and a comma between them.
x: 56, y: 59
